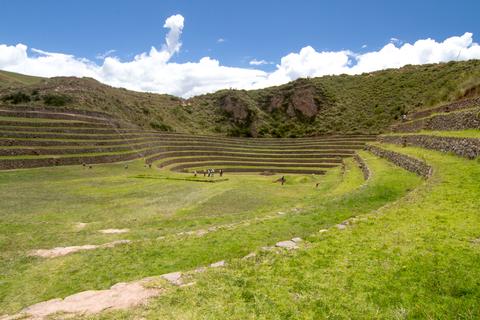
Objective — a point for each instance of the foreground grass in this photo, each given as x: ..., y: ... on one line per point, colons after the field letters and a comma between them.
x: 42, y: 207
x: 415, y: 258
x: 54, y: 200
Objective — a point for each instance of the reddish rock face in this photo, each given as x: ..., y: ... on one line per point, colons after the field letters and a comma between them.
x: 301, y: 100
x: 235, y: 107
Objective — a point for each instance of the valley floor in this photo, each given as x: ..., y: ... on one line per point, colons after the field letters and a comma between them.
x: 412, y: 251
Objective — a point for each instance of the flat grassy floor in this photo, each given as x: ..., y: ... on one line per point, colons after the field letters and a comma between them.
x: 417, y: 258
x: 472, y: 133
x: 41, y: 208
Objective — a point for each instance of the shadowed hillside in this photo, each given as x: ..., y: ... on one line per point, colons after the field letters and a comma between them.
x: 367, y: 103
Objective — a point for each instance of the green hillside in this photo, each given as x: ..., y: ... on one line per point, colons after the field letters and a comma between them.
x: 366, y: 103
x: 15, y: 79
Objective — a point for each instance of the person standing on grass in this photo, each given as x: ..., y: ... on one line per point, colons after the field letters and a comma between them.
x: 282, y: 180
x: 220, y: 172
x: 195, y: 173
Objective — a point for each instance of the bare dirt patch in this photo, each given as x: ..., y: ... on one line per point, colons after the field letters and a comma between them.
x: 62, y: 251
x: 120, y: 296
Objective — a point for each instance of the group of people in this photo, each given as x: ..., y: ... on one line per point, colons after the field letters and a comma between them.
x: 209, y: 173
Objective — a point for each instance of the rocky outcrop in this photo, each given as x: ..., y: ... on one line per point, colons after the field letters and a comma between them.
x: 235, y: 107
x: 464, y: 147
x: 301, y: 99
x: 408, y: 163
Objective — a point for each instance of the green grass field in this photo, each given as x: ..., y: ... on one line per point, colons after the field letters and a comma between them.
x: 42, y: 207
x: 415, y: 258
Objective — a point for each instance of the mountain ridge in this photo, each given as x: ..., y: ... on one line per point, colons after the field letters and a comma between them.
x: 343, y: 104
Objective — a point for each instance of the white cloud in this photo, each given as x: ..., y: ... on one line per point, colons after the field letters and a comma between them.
x: 107, y: 53
x: 364, y: 46
x: 155, y: 72
x: 172, y: 40
x: 256, y: 62
x: 220, y: 40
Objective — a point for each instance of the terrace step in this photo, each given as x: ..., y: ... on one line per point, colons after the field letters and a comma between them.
x: 454, y: 106
x: 461, y: 146
x: 459, y: 120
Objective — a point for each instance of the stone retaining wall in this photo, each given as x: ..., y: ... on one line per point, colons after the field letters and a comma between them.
x: 464, y: 147
x: 249, y: 164
x: 458, y: 105
x: 266, y: 171
x: 408, y: 163
x: 363, y: 166
x: 467, y: 119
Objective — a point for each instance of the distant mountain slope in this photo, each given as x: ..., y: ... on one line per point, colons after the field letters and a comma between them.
x: 367, y: 103
x: 15, y: 79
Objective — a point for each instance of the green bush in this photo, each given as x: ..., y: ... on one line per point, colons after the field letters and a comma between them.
x: 17, y: 97
x: 56, y: 100
x: 157, y: 125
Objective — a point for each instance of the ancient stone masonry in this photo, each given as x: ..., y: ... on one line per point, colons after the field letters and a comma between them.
x: 408, y: 163
x: 363, y: 166
x: 464, y: 147
x: 458, y: 105
x: 467, y: 119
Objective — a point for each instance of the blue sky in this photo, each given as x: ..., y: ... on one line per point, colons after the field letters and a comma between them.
x: 262, y: 30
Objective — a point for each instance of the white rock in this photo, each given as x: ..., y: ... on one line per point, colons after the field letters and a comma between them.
x: 250, y: 255
x: 297, y: 240
x: 218, y: 264
x: 288, y: 244
x: 341, y: 226
x: 114, y: 231
x: 174, y: 278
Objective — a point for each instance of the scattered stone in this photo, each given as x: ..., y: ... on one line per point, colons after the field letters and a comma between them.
x: 297, y: 240
x: 120, y: 296
x: 323, y: 230
x: 62, y: 251
x: 268, y: 248
x: 250, y: 255
x: 174, y: 278
x: 218, y: 264
x: 341, y: 226
x: 200, y: 270
x: 201, y: 232
x: 80, y: 225
x: 288, y: 244
x: 281, y: 213
x: 114, y: 231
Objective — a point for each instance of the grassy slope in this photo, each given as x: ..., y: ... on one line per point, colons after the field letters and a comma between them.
x: 416, y: 258
x: 15, y: 79
x: 55, y: 199
x: 472, y: 133
x: 366, y: 103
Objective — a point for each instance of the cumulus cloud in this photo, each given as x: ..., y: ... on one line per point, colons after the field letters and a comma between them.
x: 220, y: 40
x: 154, y: 71
x: 256, y: 62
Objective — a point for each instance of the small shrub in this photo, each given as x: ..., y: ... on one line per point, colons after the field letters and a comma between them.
x: 56, y: 100
x: 157, y: 125
x: 17, y: 97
